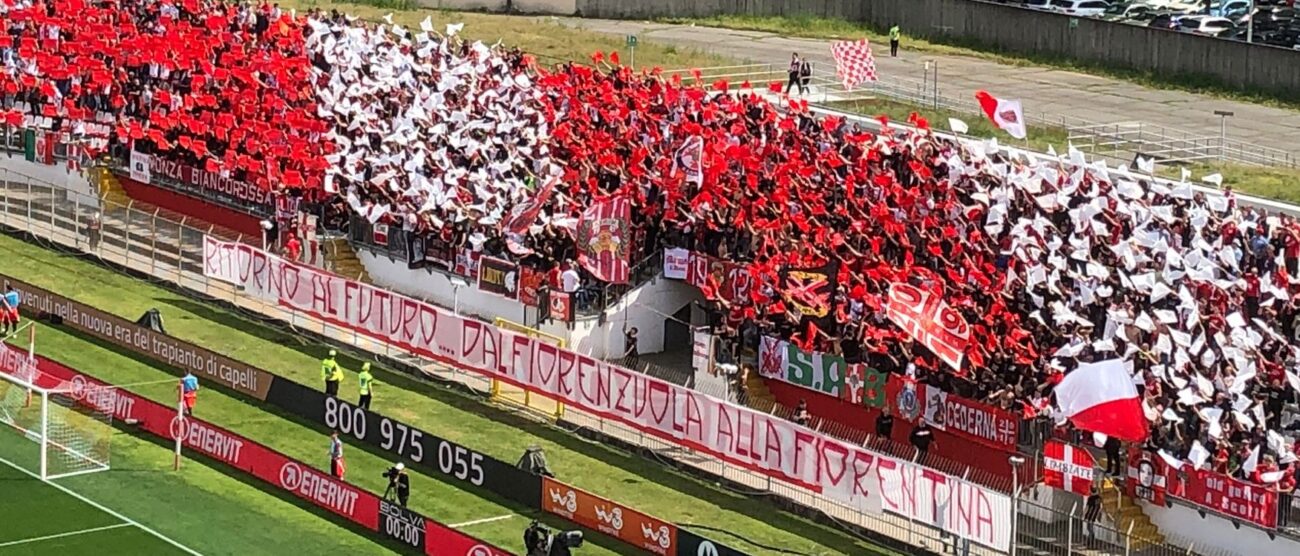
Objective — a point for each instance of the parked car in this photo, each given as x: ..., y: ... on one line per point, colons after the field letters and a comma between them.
x: 1081, y: 8
x: 1127, y: 12
x: 1164, y: 19
x: 1230, y: 8
x: 1045, y: 5
x: 1203, y: 24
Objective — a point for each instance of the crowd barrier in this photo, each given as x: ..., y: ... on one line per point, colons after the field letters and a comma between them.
x: 448, y: 461
x: 173, y: 252
x: 354, y: 504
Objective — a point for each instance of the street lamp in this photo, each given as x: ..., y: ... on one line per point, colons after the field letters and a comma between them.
x: 1223, y: 130
x: 1016, y: 461
x: 456, y: 284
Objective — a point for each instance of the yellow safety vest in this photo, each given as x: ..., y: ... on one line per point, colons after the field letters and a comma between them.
x: 330, y: 371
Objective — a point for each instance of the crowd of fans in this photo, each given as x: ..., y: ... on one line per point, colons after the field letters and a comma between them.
x: 1049, y: 261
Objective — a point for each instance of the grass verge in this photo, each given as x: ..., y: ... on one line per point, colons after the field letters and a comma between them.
x: 199, y: 506
x: 640, y: 483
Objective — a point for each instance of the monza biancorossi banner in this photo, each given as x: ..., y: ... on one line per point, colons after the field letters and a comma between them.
x: 854, y: 476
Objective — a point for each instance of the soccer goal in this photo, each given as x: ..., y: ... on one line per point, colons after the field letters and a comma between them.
x: 45, y: 425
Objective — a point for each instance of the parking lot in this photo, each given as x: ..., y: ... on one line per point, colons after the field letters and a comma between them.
x: 1271, y: 22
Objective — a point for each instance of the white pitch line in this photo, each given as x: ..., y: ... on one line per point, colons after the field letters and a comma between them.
x: 484, y: 520
x: 103, y: 508
x: 62, y: 535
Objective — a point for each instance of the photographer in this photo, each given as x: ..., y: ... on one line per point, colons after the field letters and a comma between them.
x: 540, y: 541
x: 399, y: 482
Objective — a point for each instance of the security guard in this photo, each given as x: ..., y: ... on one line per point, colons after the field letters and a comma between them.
x: 331, y: 373
x: 894, y: 35
x: 367, y: 381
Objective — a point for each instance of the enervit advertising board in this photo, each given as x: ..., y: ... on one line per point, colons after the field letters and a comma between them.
x: 856, y: 477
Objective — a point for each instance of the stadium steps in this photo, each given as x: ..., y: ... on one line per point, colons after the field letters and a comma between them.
x: 1126, y: 513
x: 759, y: 397
x: 342, y: 259
x: 110, y: 190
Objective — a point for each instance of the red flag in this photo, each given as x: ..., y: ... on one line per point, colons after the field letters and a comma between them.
x: 523, y: 216
x: 854, y: 63
x: 929, y: 320
x: 1068, y: 467
x: 603, y: 240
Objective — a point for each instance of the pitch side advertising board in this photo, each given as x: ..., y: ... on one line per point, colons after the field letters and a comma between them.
x: 276, y: 469
x: 854, y: 476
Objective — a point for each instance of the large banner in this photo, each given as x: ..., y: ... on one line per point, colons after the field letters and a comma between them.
x: 718, y: 279
x: 199, y: 182
x: 352, y: 503
x: 854, y: 476
x: 858, y: 384
x: 1223, y: 494
x: 930, y: 321
x: 498, y: 276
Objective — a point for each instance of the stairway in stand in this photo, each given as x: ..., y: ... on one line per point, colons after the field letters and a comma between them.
x: 759, y: 397
x: 1125, y: 511
x: 341, y: 259
x: 110, y: 190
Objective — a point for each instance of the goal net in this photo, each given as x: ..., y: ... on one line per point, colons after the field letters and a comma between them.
x: 46, y: 426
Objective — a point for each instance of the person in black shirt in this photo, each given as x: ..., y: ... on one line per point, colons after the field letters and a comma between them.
x: 801, y: 413
x: 631, y: 352
x: 922, y: 438
x: 1112, y: 447
x: 1092, y: 510
x: 885, y: 424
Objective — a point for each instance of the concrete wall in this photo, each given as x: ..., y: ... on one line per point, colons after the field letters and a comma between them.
x: 1016, y: 30
x: 1187, y: 525
x: 56, y: 174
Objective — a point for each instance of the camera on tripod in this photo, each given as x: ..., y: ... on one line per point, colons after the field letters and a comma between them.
x: 541, y: 541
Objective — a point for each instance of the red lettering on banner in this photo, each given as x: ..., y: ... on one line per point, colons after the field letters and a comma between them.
x: 365, y: 309
x: 802, y: 438
x: 863, y: 462
x: 693, y: 415
x: 934, y: 480
x: 402, y: 325
x: 428, y: 326
x: 747, y: 448
x: 281, y: 281
x: 586, y: 376
x: 826, y: 472
x: 771, y: 443
x: 547, y: 356
x: 726, y: 428
x: 515, y: 364
x: 883, y: 465
x: 663, y: 392
x: 622, y: 381
x: 320, y: 296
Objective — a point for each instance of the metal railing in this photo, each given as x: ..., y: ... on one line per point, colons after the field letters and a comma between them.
x: 1117, y: 140
x: 172, y: 252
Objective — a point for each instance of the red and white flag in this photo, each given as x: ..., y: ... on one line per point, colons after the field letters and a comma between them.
x: 524, y: 215
x: 603, y: 238
x: 930, y: 321
x: 1006, y: 114
x: 854, y: 62
x: 689, y: 159
x: 1068, y: 467
x: 1100, y: 397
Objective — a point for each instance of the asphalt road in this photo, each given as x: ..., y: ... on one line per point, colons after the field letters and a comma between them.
x: 1049, y: 92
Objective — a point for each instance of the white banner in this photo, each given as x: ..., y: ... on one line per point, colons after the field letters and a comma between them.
x: 140, y: 170
x: 675, y: 263
x: 859, y: 478
x: 701, y: 354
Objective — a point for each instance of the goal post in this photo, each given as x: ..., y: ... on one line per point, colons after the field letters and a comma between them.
x: 45, y: 425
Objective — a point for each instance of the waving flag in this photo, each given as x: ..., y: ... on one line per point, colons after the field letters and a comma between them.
x: 1100, y: 397
x: 689, y: 159
x: 1068, y: 467
x: 854, y: 62
x: 809, y: 290
x: 603, y: 240
x: 1006, y: 114
x: 523, y: 216
x: 930, y: 321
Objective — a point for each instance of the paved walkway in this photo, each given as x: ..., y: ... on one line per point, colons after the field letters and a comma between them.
x: 1048, y: 91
